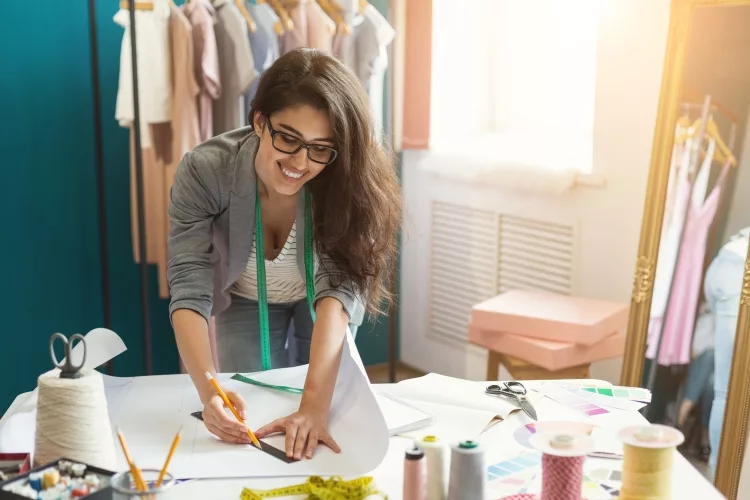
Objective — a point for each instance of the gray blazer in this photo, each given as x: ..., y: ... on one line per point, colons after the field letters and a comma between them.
x: 212, y: 222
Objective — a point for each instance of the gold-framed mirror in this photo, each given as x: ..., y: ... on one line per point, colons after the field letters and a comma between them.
x: 690, y: 309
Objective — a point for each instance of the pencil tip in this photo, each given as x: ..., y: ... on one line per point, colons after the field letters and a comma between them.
x: 208, y: 376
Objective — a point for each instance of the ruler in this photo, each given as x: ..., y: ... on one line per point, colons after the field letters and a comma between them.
x: 265, y: 447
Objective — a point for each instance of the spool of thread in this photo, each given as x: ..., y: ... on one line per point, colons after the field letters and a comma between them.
x: 647, y: 461
x: 72, y: 421
x: 468, y: 477
x: 563, y: 456
x: 436, y: 456
x: 415, y: 482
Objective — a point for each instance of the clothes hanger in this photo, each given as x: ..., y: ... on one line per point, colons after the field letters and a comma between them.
x: 362, y: 6
x: 248, y: 18
x: 713, y: 130
x: 278, y: 27
x: 286, y: 20
x: 124, y: 4
x: 334, y: 11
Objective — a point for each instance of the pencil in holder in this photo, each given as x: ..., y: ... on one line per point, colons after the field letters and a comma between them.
x: 124, y: 488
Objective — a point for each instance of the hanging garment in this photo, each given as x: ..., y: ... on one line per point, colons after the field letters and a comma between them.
x: 343, y: 44
x: 679, y: 319
x: 155, y: 108
x: 154, y: 86
x: 264, y: 44
x: 678, y: 195
x: 185, y: 131
x: 236, y: 66
x: 371, y: 40
x: 202, y: 17
x: 312, y: 28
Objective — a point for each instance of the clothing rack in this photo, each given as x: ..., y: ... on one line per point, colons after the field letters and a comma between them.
x: 101, y: 196
x: 706, y: 108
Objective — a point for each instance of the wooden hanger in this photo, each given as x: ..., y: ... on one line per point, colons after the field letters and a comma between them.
x: 286, y: 20
x: 713, y: 130
x: 334, y: 11
x: 124, y: 4
x: 248, y: 18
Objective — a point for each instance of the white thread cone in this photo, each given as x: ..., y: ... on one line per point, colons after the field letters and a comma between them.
x: 72, y: 421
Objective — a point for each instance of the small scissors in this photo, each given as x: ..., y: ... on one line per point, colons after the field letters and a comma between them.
x: 67, y: 368
x: 513, y: 390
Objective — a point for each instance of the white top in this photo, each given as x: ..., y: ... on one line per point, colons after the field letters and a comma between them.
x: 738, y: 243
x: 154, y: 69
x: 284, y: 283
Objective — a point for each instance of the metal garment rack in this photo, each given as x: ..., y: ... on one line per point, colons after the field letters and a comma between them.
x: 100, y: 187
x: 706, y: 108
x: 103, y: 249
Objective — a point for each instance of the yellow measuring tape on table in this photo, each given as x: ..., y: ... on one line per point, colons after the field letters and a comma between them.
x: 317, y: 488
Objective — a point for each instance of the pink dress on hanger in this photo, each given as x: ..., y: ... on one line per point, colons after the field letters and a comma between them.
x: 679, y: 320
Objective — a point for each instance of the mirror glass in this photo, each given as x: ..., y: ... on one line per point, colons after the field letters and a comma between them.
x: 704, y: 238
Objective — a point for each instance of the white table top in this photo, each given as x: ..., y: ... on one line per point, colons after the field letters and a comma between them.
x: 500, y: 444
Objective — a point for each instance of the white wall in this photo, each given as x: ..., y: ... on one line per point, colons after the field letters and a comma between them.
x: 629, y: 61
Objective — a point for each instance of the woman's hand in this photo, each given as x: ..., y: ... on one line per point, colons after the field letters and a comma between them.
x: 223, y: 424
x: 304, y: 429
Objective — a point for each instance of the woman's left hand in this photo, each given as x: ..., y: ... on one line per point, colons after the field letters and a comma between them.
x: 304, y: 429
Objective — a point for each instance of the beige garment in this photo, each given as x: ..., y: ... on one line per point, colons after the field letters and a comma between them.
x: 202, y: 17
x: 154, y: 203
x: 312, y: 28
x: 185, y: 121
x: 236, y: 66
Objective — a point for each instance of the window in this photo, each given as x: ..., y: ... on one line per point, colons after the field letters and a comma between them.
x: 513, y: 81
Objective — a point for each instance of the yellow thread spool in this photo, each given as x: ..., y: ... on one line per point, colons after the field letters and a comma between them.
x: 647, y: 462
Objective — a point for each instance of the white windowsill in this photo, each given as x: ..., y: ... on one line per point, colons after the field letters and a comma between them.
x: 508, y: 164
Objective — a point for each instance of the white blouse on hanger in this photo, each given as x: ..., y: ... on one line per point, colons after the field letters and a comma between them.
x: 154, y: 69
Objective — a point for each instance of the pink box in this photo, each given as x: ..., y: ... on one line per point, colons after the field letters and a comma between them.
x: 550, y: 316
x: 548, y: 354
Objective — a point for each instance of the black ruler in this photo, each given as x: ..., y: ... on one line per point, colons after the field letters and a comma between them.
x: 265, y: 447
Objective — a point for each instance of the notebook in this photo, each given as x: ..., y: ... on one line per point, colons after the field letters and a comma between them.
x: 401, y: 416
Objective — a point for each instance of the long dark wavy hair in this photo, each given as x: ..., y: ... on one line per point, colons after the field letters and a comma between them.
x: 356, y: 200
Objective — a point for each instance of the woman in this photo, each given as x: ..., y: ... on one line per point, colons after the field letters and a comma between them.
x: 307, y: 167
x: 722, y: 287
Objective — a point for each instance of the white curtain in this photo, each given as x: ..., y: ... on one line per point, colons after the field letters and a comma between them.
x: 514, y: 80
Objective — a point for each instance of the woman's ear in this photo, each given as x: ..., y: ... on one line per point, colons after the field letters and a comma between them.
x: 258, y: 122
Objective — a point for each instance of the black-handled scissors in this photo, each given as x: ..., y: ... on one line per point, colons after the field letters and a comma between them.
x: 513, y: 390
x: 67, y: 368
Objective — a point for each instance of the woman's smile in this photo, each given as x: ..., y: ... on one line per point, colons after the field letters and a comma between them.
x: 290, y: 174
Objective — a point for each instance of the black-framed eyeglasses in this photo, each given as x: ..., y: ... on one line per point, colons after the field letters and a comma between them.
x: 289, y: 144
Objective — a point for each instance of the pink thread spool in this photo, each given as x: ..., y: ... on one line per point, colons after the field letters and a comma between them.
x: 415, y: 480
x: 563, y: 456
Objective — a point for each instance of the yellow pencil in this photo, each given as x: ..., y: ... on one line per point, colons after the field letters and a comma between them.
x: 231, y: 407
x: 134, y: 471
x: 163, y: 472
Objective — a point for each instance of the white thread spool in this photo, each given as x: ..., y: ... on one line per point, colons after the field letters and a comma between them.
x: 437, y: 462
x: 468, y: 477
x: 72, y: 421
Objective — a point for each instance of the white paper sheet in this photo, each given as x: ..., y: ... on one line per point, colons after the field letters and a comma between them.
x: 150, y: 410
x: 452, y: 423
x: 18, y: 424
x: 440, y: 389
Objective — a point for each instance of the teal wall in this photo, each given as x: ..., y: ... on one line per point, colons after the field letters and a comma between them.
x: 51, y: 275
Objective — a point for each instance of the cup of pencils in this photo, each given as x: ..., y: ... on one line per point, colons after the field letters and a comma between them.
x: 140, y: 484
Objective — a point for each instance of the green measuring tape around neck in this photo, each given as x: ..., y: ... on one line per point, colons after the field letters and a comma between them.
x: 260, y: 266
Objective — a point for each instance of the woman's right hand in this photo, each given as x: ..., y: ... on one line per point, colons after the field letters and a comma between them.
x: 221, y: 422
